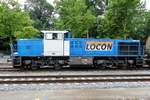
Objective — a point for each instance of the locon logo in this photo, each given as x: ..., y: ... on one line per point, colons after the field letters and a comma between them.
x: 99, y: 46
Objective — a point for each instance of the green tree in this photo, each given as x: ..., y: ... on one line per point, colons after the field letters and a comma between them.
x: 74, y: 16
x: 41, y: 12
x: 143, y: 32
x: 122, y: 19
x: 14, y: 23
x: 98, y: 7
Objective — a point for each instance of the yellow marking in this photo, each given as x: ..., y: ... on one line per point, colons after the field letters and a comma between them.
x: 37, y: 98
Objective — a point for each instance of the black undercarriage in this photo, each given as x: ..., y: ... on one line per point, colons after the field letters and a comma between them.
x: 97, y: 62
x: 37, y: 62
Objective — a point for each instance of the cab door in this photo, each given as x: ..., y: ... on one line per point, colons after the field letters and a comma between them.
x: 53, y: 44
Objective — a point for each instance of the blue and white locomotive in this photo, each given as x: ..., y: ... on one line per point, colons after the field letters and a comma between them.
x: 57, y: 49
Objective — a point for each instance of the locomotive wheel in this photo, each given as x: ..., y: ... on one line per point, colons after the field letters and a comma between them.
x: 57, y: 66
x: 34, y: 67
x: 23, y: 67
x: 95, y: 65
x: 123, y: 67
x: 102, y: 67
x: 16, y: 66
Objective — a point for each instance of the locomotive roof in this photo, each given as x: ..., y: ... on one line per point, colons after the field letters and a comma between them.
x: 61, y: 32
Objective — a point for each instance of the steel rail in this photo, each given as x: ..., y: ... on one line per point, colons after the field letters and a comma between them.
x: 71, y: 79
x: 72, y: 76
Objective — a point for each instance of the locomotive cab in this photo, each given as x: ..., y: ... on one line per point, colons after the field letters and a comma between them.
x: 55, y: 44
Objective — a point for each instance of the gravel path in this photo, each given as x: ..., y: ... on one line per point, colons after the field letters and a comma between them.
x: 60, y: 86
x: 74, y: 72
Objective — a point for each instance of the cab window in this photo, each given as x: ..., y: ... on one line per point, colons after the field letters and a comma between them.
x: 54, y: 36
x: 60, y: 36
x: 48, y: 36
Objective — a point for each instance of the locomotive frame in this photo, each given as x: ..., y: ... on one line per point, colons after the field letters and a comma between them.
x: 58, y: 49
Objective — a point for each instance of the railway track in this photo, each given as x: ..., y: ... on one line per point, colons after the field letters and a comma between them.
x: 8, y: 69
x: 72, y: 78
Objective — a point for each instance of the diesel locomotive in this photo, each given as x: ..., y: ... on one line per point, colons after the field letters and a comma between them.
x: 57, y: 49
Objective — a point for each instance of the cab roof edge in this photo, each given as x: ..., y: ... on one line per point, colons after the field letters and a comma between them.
x: 43, y: 31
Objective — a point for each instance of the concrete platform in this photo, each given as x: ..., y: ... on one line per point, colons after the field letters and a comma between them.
x: 79, y: 94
